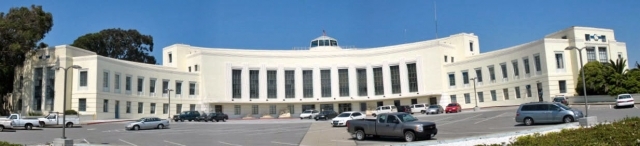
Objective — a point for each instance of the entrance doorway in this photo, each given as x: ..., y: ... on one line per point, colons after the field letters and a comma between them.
x: 117, y: 110
x: 343, y: 107
x: 324, y: 107
x: 218, y: 108
x: 306, y: 107
x: 396, y: 103
x: 433, y: 100
x: 540, y: 94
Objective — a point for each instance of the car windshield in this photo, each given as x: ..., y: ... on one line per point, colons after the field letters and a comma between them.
x: 141, y: 120
x: 418, y: 105
x: 406, y: 118
x: 344, y: 115
x: 563, y: 106
x: 624, y: 96
x: 451, y: 104
x: 433, y: 106
x: 306, y: 112
x: 558, y: 99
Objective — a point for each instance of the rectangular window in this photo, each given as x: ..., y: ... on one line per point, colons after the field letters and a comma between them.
x: 559, y: 61
x: 587, y: 37
x: 271, y: 84
x: 105, y: 106
x: 291, y: 109
x: 528, y: 87
x: 363, y: 106
x: 395, y: 79
x: 152, y: 86
x: 140, y: 107
x: 192, y: 107
x: 471, y: 46
x: 377, y: 81
x: 563, y: 86
x: 503, y: 66
x: 453, y: 99
x: 82, y: 104
x: 236, y: 83
x: 516, y: 70
x: 465, y: 77
x: 165, y: 108
x: 362, y: 82
x: 604, y: 58
x: 254, y: 88
x: 178, y: 108
x: 83, y: 78
x: 413, y: 77
x: 179, y: 88
x: 140, y: 83
x: 492, y: 73
x: 445, y: 58
x: 272, y: 109
x: 307, y: 78
x: 105, y: 80
x: 493, y: 95
x: 452, y: 79
x: 195, y: 68
x: 479, y: 74
x: 505, y: 91
x: 152, y: 108
x: 414, y: 101
x: 236, y: 109
x: 128, y: 111
x: 165, y: 86
x: 619, y: 57
x: 127, y: 83
x: 343, y: 78
x: 254, y: 109
x: 537, y: 62
x: 289, y: 84
x: 480, y: 97
x: 452, y: 59
x: 192, y: 88
x: 591, y: 54
x: 517, y: 92
x: 527, y: 69
x: 170, y: 58
x: 117, y: 83
x: 467, y: 98
x: 325, y: 83
x: 189, y: 68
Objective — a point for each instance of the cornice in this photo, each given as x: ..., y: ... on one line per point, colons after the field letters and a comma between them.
x: 133, y: 65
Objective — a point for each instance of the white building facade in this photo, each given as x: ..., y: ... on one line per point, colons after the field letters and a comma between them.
x: 255, y: 83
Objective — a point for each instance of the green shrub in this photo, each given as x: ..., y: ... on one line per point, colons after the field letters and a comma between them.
x: 4, y: 143
x: 623, y: 132
x: 34, y: 114
x: 70, y: 112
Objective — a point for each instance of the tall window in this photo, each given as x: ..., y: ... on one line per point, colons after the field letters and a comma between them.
x: 362, y: 82
x: 480, y: 97
x: 537, y: 62
x: 127, y: 83
x: 479, y: 74
x: 165, y: 86
x: 289, y: 84
x: 152, y: 86
x: 493, y: 95
x: 82, y: 104
x: 343, y: 78
x: 453, y: 99
x: 165, y: 108
x: 105, y: 81
x: 254, y: 109
x: 128, y: 110
x: 325, y: 81
x: 377, y: 81
x: 467, y: 98
x: 591, y: 54
x: 271, y: 84
x: 192, y: 107
x: 152, y: 109
x: 528, y: 87
x: 178, y: 108
x: 517, y: 92
x: 559, y: 61
x: 83, y: 78
x: 504, y: 70
x: 117, y: 83
x: 413, y: 77
x: 170, y: 58
x: 192, y: 88
x: 602, y: 51
x: 272, y: 109
x: 235, y: 83
x: 465, y: 77
x: 307, y: 78
x: 254, y: 88
x: 563, y: 86
x: 492, y: 73
x: 452, y: 79
x: 516, y: 71
x: 471, y: 46
x: 395, y: 79
x: 291, y: 109
x: 179, y: 88
x: 236, y: 109
x: 105, y: 106
x: 527, y: 69
x: 505, y: 92
x: 140, y: 107
x: 140, y: 83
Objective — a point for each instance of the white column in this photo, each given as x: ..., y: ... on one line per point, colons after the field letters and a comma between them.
x: 335, y: 82
x: 262, y: 82
x: 419, y: 73
x: 244, y: 80
x: 280, y: 83
x: 229, y: 82
x: 404, y: 78
x: 353, y: 81
x: 386, y: 77
x: 370, y: 81
x: 298, y: 81
x: 316, y: 82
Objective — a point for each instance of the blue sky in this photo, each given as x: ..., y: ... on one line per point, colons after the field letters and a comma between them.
x: 293, y: 23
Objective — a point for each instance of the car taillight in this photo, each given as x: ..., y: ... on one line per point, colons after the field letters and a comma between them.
x: 517, y: 114
x: 347, y: 124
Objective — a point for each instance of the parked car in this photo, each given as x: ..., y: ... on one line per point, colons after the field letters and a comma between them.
x: 392, y: 124
x: 309, y: 114
x: 202, y: 117
x: 385, y: 109
x: 55, y: 118
x: 327, y: 114
x: 453, y: 108
x: 216, y: 117
x: 561, y: 99
x: 148, y: 123
x: 405, y: 109
x: 419, y: 108
x: 341, y: 120
x: 546, y: 112
x: 5, y: 124
x: 625, y: 100
x: 20, y: 121
x: 187, y: 115
x: 435, y: 109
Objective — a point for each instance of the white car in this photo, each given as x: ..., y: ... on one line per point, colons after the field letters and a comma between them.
x: 625, y: 100
x: 342, y: 118
x: 5, y: 124
x: 310, y: 114
x: 55, y: 118
x: 419, y: 108
x: 385, y: 109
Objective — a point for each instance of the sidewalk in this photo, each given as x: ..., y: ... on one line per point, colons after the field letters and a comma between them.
x: 91, y: 122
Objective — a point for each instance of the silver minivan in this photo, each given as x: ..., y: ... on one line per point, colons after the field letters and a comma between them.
x: 546, y: 112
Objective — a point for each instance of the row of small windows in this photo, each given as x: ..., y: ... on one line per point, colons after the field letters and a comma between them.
x: 562, y: 87
x: 325, y: 82
x: 140, y: 84
x: 82, y: 106
x: 503, y: 70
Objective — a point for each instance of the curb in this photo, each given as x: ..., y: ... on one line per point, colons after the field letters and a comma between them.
x: 93, y: 123
x: 263, y: 119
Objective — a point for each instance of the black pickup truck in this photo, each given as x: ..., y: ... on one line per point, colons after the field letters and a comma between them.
x: 394, y: 125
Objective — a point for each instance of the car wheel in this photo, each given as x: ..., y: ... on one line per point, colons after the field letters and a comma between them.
x: 567, y: 119
x: 136, y: 127
x: 300, y: 118
x: 217, y: 120
x: 374, y: 115
x: 1, y: 128
x: 190, y: 120
x: 528, y: 121
x: 160, y: 126
x: 360, y: 135
x: 182, y: 120
x: 28, y: 126
x: 423, y: 112
x: 459, y: 110
x: 69, y: 125
x: 409, y: 136
x: 223, y: 120
x: 175, y: 120
x: 316, y: 119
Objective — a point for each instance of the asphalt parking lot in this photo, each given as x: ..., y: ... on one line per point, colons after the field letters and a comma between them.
x: 289, y: 132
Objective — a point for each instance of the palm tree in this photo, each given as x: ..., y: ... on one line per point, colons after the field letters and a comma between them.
x: 619, y: 65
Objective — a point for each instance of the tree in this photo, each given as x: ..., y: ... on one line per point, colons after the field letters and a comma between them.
x: 21, y: 30
x: 616, y: 75
x: 118, y: 43
x: 596, y: 83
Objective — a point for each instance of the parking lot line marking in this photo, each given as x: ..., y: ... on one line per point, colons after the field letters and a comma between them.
x: 229, y: 143
x: 609, y: 106
x: 459, y: 120
x: 343, y: 140
x: 174, y: 143
x: 284, y: 143
x: 491, y: 118
x: 441, y: 119
x: 128, y: 142
x: 85, y: 140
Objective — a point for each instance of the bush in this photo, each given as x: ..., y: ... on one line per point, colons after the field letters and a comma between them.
x: 70, y: 112
x: 4, y: 143
x: 623, y: 132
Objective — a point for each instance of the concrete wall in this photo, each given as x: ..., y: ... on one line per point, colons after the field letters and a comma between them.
x: 598, y: 99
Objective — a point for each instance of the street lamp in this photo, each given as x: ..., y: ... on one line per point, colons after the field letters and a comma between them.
x: 64, y: 103
x: 475, y: 94
x: 586, y: 108
x: 169, y: 107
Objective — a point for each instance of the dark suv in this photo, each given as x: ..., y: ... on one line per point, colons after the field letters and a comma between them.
x: 187, y: 115
x: 326, y: 115
x: 405, y: 109
x: 217, y: 117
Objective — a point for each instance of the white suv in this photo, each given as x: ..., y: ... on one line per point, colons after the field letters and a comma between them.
x: 625, y: 100
x: 309, y: 114
x: 385, y: 109
x: 419, y: 108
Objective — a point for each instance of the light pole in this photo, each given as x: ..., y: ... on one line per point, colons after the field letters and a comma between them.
x: 475, y: 94
x: 586, y: 107
x: 169, y: 107
x: 64, y: 101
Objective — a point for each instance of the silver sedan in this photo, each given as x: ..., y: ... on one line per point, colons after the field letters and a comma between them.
x: 148, y: 123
